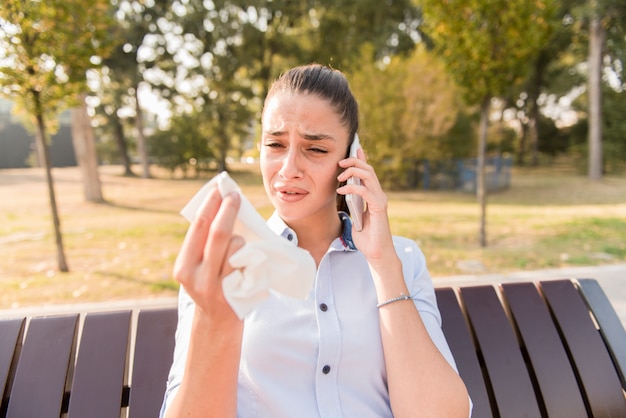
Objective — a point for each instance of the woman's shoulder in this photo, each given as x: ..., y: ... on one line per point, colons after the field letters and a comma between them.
x: 412, y: 258
x: 406, y: 245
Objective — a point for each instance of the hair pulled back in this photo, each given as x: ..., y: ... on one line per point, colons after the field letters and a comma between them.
x: 326, y: 83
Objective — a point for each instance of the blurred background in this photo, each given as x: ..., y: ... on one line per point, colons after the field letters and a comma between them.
x: 496, y: 126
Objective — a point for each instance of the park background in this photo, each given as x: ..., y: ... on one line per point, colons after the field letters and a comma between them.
x: 152, y: 98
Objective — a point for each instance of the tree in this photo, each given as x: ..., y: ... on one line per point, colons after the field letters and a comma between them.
x: 45, y: 50
x: 559, y: 35
x: 183, y: 146
x: 407, y: 108
x: 85, y: 150
x: 342, y: 27
x: 109, y: 124
x: 607, y: 20
x: 121, y: 75
x: 219, y: 57
x: 487, y: 46
x: 597, y: 35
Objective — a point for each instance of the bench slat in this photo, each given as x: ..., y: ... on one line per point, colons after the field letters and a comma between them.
x: 10, y: 338
x: 100, y: 366
x: 41, y: 373
x: 154, y: 349
x: 512, y: 388
x: 556, y: 380
x: 462, y: 347
x: 610, y: 325
x: 595, y: 368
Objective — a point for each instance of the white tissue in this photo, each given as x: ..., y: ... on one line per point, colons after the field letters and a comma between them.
x: 266, y: 261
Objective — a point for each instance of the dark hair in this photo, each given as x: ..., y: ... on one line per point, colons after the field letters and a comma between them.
x: 328, y: 84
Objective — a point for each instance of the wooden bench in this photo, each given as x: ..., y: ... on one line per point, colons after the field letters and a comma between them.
x: 547, y: 349
x: 554, y: 348
x: 93, y: 365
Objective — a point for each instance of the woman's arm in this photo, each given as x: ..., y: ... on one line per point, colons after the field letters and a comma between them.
x: 209, y: 384
x: 421, y: 381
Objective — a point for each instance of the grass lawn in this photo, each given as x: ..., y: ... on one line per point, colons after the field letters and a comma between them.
x: 125, y: 248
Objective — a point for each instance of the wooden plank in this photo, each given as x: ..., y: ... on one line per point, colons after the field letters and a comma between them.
x: 611, y: 327
x: 595, y: 368
x: 10, y: 342
x: 512, y: 387
x: 100, y: 366
x: 459, y: 338
x: 40, y: 377
x: 154, y: 348
x: 553, y: 371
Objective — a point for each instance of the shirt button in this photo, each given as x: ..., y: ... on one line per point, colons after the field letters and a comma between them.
x: 324, y: 307
x: 326, y: 369
x: 290, y: 237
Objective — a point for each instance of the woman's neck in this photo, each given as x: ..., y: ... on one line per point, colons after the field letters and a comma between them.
x: 316, y: 235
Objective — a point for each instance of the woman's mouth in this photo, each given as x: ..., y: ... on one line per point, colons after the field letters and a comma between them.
x: 290, y: 195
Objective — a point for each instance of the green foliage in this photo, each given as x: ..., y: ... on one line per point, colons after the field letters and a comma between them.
x: 184, y: 146
x: 487, y: 45
x: 408, y: 108
x: 389, y: 27
x: 46, y: 48
x: 501, y: 139
x: 613, y: 134
x: 460, y: 141
x: 552, y: 140
x: 220, y: 57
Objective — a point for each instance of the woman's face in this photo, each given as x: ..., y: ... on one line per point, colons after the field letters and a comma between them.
x: 302, y: 141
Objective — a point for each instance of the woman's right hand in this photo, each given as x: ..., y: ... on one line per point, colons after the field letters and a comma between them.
x: 202, y: 262
x: 213, y: 348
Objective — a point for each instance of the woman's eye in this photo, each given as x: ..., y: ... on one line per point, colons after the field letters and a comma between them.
x: 273, y: 144
x: 318, y: 150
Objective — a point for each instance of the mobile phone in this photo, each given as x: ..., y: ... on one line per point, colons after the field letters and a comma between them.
x: 355, y: 202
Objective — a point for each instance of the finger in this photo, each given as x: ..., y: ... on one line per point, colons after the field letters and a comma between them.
x: 360, y: 153
x: 361, y: 157
x: 362, y: 172
x: 220, y: 233
x: 191, y: 252
x: 235, y: 244
x: 352, y: 162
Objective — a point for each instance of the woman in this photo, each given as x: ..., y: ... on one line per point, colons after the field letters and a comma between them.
x: 367, y: 341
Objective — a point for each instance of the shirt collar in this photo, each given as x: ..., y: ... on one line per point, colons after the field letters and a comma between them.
x: 279, y: 226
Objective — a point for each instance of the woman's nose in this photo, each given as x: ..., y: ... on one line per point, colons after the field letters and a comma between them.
x: 291, y: 165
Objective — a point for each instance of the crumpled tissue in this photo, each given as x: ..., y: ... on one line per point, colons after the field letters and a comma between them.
x: 266, y: 261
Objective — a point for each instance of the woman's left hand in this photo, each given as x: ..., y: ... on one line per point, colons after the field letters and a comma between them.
x: 375, y: 237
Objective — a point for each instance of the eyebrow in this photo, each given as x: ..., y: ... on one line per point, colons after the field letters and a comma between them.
x: 318, y: 137
x: 310, y: 137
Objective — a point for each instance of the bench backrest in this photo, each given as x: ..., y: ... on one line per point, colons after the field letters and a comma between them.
x: 554, y: 348
x: 98, y: 365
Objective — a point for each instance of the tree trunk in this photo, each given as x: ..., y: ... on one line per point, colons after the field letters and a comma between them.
x: 533, y: 129
x: 45, y: 155
x: 142, y: 147
x: 85, y: 150
x: 533, y: 109
x: 120, y: 139
x: 521, y: 149
x: 481, y: 187
x: 596, y: 42
x: 224, y: 143
x: 533, y: 132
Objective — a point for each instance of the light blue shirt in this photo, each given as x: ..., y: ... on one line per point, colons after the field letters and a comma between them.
x: 322, y: 356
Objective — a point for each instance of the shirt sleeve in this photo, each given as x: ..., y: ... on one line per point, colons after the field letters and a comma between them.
x: 422, y: 290
x: 423, y: 293
x: 186, y: 309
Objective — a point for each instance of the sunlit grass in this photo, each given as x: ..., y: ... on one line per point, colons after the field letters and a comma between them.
x: 126, y: 247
